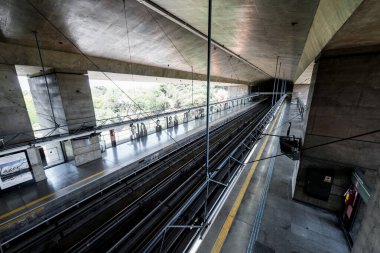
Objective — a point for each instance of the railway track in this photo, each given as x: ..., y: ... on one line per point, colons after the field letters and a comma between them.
x: 126, y: 216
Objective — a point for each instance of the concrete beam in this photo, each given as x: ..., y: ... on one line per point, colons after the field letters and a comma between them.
x: 329, y: 18
x: 23, y: 55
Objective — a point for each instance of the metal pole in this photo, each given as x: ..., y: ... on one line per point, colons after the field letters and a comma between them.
x: 192, y: 85
x: 282, y: 83
x: 44, y: 73
x: 274, y: 82
x: 278, y: 82
x: 208, y: 103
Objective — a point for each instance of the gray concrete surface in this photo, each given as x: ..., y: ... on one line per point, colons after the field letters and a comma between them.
x: 343, y: 102
x: 368, y: 236
x: 328, y: 19
x: 71, y: 101
x: 100, y: 30
x: 13, y: 113
x: 36, y: 164
x: 86, y: 149
x: 290, y: 226
x: 286, y: 226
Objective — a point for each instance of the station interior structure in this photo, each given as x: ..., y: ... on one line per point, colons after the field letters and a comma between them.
x: 269, y: 143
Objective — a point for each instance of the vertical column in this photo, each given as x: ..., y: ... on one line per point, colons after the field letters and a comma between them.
x: 70, y: 98
x: 36, y: 164
x: 15, y: 126
x: 343, y: 102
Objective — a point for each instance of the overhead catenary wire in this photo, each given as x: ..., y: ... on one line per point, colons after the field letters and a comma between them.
x: 317, y: 146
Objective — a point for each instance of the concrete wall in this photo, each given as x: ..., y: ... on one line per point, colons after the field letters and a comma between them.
x: 368, y: 236
x: 343, y: 102
x: 13, y: 113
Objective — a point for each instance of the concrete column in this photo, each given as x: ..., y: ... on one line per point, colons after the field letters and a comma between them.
x: 71, y: 101
x: 343, y: 102
x: 86, y: 149
x: 70, y: 97
x: 368, y: 236
x: 13, y: 114
x: 36, y: 164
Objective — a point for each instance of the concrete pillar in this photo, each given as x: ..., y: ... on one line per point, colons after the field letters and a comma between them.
x: 343, y: 102
x: 13, y: 114
x: 86, y: 149
x: 70, y: 97
x: 368, y: 236
x: 71, y: 101
x: 36, y: 164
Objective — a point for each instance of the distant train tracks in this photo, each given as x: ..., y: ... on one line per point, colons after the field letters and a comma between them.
x: 129, y: 215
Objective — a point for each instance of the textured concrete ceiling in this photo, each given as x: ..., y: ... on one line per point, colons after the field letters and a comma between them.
x: 362, y: 29
x: 257, y: 30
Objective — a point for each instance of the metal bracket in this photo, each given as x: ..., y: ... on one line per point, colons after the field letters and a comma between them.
x: 217, y: 182
x: 236, y: 160
x: 184, y: 226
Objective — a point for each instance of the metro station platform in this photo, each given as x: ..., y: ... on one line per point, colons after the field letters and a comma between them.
x: 259, y: 214
x: 29, y: 200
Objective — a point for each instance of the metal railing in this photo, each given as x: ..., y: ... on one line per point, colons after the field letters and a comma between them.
x: 87, y: 128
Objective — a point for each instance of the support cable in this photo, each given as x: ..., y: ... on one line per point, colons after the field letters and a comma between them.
x: 317, y: 146
x: 167, y: 36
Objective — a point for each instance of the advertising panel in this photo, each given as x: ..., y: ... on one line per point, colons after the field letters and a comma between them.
x: 14, y: 170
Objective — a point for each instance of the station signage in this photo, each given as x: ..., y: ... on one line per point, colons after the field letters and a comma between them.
x: 14, y: 170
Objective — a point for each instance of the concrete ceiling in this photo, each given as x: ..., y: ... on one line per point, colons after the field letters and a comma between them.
x: 258, y: 30
x: 362, y: 29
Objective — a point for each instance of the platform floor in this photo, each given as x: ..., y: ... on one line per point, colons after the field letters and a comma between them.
x: 285, y: 226
x: 63, y: 178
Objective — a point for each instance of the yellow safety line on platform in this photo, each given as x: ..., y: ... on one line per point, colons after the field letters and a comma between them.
x: 43, y: 198
x: 24, y: 206
x: 231, y: 216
